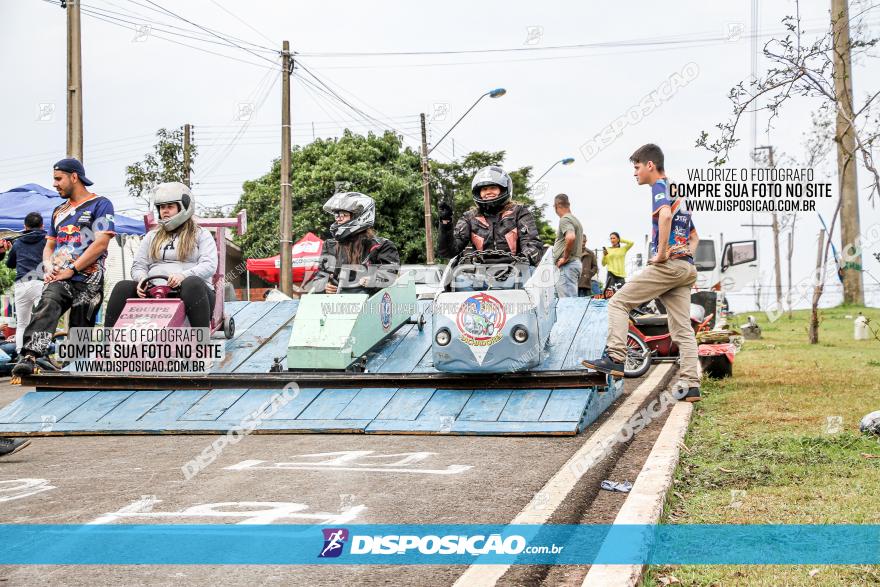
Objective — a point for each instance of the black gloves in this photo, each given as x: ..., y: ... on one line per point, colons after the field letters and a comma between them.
x: 445, y: 211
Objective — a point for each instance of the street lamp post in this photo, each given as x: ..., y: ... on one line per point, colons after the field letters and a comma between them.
x: 566, y: 161
x: 429, y: 237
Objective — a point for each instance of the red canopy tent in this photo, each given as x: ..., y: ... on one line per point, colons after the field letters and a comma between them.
x: 306, y: 254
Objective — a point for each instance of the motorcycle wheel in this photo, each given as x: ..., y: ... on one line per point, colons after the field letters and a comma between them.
x: 638, y: 356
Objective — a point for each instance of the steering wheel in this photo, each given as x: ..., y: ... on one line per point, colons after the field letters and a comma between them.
x: 157, y: 291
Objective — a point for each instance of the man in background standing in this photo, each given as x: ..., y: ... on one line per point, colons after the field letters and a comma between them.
x: 26, y: 257
x: 566, y: 248
x: 587, y: 286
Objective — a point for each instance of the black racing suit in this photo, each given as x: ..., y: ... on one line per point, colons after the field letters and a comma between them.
x: 379, y: 266
x: 512, y: 230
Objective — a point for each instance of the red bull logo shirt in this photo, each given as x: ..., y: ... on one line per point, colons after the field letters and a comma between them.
x: 73, y: 229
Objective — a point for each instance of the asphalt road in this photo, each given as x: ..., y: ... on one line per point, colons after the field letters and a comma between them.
x: 273, y: 479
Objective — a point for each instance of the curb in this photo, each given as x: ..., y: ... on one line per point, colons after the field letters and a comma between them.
x: 644, y: 505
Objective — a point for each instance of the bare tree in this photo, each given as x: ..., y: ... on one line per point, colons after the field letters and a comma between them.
x: 816, y: 147
x: 816, y: 69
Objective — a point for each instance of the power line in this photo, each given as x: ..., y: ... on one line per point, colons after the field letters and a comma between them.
x: 239, y: 19
x: 212, y: 32
x: 108, y: 20
x: 123, y: 17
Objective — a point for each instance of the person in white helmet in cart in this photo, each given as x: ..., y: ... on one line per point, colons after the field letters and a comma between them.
x: 177, y: 248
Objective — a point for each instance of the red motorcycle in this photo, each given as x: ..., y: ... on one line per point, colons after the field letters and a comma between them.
x: 648, y: 340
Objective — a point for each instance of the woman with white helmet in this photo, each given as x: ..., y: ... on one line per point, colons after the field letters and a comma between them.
x: 177, y: 248
x: 495, y: 223
x: 354, y: 259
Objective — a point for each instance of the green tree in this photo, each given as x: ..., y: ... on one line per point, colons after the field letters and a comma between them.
x: 165, y: 163
x: 377, y: 165
x: 7, y: 277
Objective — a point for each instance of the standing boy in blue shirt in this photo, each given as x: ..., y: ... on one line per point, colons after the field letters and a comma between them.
x: 669, y: 276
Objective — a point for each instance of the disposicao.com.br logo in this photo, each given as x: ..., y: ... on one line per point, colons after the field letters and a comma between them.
x: 394, y: 544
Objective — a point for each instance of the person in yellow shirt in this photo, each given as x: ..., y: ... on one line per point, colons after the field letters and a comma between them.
x: 614, y: 259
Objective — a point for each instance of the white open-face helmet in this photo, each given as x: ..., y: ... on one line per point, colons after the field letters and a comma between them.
x: 170, y: 193
x: 361, y: 207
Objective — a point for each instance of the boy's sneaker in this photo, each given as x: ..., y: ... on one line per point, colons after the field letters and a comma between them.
x: 605, y: 365
x: 693, y: 395
x: 9, y: 446
x: 26, y: 365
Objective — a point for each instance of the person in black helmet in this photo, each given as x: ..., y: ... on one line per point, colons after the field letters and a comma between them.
x: 495, y: 223
x: 354, y: 260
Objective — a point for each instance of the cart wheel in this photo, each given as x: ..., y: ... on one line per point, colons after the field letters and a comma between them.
x: 228, y: 327
x: 422, y: 322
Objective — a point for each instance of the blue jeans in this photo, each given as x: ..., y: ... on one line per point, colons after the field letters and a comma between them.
x: 569, y: 275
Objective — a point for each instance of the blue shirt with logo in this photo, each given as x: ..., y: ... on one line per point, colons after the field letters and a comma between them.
x: 73, y: 229
x: 682, y: 223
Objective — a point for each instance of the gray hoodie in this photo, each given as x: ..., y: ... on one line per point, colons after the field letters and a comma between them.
x: 202, y: 263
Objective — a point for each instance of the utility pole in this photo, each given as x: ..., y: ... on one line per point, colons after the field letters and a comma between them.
x: 775, y: 227
x: 187, y: 154
x: 429, y: 236
x: 846, y: 160
x: 74, y: 82
x: 286, y: 274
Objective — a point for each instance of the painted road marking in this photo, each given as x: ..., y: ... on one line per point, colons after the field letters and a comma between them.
x: 249, y: 512
x: 345, y: 461
x: 551, y: 496
x: 20, y: 488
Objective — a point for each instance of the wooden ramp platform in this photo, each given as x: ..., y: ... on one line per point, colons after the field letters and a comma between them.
x: 263, y: 332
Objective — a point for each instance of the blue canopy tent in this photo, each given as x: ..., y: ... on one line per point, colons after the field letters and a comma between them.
x: 19, y: 202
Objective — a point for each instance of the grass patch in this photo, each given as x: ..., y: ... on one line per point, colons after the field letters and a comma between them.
x: 778, y: 443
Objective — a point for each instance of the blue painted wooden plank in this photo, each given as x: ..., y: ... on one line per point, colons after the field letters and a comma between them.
x: 328, y: 404
x: 485, y: 404
x: 589, y: 342
x: 213, y: 404
x: 445, y: 404
x: 262, y: 360
x: 243, y: 346
x: 524, y: 405
x: 408, y: 353
x: 569, y: 313
x: 59, y: 407
x: 472, y: 427
x: 97, y: 406
x: 230, y: 308
x: 406, y: 404
x: 515, y: 428
x: 249, y: 403
x: 25, y: 404
x: 380, y: 354
x: 293, y: 408
x: 172, y: 407
x: 276, y: 345
x: 277, y: 426
x: 367, y: 403
x: 566, y: 405
x: 135, y: 406
x: 245, y: 318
